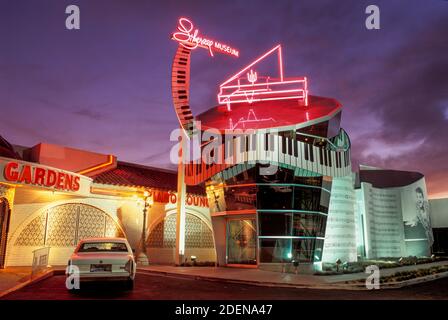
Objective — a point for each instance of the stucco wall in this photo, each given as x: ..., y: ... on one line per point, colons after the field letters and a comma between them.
x: 127, y: 212
x: 439, y: 213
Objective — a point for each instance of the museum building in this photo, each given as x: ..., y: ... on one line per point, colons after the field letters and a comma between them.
x: 273, y: 185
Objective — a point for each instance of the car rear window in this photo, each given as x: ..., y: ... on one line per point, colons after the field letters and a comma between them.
x: 103, y: 247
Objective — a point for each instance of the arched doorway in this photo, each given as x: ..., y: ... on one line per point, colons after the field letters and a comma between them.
x: 64, y: 225
x: 61, y: 227
x: 4, y: 226
x: 161, y: 242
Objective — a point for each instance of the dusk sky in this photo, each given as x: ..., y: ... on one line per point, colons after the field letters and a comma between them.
x: 106, y: 87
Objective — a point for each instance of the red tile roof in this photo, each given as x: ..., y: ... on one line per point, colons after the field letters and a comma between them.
x: 134, y: 175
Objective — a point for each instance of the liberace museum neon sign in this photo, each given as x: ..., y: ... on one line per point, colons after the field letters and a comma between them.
x: 189, y: 38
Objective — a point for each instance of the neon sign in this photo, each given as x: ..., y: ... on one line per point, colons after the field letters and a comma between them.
x: 254, y: 88
x: 251, y: 118
x: 189, y: 38
x: 16, y: 172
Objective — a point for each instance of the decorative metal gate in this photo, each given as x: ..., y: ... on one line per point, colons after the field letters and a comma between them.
x: 66, y: 224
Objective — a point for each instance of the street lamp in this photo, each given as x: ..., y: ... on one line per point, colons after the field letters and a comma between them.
x: 142, y: 258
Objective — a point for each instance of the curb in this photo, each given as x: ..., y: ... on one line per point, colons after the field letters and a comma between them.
x: 338, y: 286
x: 252, y: 282
x: 38, y: 278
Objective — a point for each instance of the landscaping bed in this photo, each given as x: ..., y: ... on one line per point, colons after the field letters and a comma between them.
x: 383, y: 263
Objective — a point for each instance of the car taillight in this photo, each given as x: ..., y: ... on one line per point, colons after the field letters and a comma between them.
x: 128, y: 266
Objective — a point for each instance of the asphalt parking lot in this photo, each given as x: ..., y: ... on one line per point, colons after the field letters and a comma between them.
x: 158, y: 287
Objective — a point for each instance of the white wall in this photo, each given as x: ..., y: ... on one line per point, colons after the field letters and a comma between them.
x: 439, y: 212
x: 127, y: 212
x: 382, y: 221
x: 340, y: 235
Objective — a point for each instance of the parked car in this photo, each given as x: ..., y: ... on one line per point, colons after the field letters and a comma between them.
x: 104, y: 259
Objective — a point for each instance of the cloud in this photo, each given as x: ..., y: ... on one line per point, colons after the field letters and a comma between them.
x: 384, y: 150
x: 90, y: 114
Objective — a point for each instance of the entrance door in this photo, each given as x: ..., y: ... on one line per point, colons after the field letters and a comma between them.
x: 241, y: 242
x: 4, y: 226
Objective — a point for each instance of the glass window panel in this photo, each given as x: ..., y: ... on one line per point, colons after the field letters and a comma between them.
x: 280, y: 175
x: 240, y: 197
x: 274, y: 250
x: 306, y: 198
x: 309, y: 225
x: 241, y: 242
x: 274, y: 223
x: 307, y: 250
x: 310, y: 181
x: 275, y: 197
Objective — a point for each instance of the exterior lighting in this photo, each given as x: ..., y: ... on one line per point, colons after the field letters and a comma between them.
x: 148, y: 201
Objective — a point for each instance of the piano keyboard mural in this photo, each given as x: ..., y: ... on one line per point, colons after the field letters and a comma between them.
x: 276, y: 150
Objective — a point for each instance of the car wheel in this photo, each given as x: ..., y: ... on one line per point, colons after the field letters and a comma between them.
x: 129, y: 284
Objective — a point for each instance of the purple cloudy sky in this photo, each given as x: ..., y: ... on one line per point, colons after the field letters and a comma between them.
x: 106, y: 87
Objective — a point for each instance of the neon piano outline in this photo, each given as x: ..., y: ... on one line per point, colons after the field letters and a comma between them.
x: 253, y: 88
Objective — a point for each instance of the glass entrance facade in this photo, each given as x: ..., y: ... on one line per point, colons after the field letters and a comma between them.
x: 290, y: 215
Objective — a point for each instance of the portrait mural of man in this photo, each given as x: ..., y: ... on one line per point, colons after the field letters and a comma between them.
x: 416, y: 219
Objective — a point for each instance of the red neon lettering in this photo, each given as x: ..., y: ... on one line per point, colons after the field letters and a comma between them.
x: 60, y: 180
x: 51, y: 178
x: 10, y: 172
x: 75, y: 185
x: 68, y: 182
x: 39, y: 176
x: 191, y: 40
x: 25, y: 175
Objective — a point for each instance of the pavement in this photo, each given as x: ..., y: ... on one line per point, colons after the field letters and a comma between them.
x: 15, y: 278
x: 161, y: 287
x: 12, y: 277
x: 271, y: 278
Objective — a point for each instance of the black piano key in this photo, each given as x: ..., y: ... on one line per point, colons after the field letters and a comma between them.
x: 296, y: 148
x: 290, y: 147
x: 283, y: 144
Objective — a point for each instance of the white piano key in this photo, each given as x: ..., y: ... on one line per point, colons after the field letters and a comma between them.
x: 333, y: 163
x: 281, y: 156
x: 276, y: 148
x: 286, y: 154
x: 293, y: 158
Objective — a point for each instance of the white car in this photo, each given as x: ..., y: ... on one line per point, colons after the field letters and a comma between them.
x: 103, y: 259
